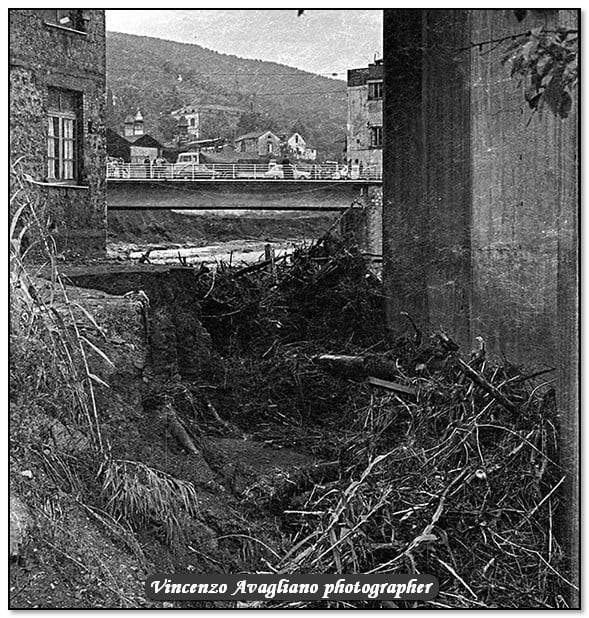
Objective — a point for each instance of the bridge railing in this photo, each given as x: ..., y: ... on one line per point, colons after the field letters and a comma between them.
x: 237, y: 171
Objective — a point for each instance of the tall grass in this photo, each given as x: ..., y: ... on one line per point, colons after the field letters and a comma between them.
x: 49, y: 364
x: 141, y: 495
x: 51, y: 373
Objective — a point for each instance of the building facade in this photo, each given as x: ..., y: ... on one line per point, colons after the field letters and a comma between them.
x: 259, y: 143
x: 202, y: 120
x: 134, y: 146
x: 57, y: 133
x: 298, y: 146
x: 364, y: 126
x: 132, y: 149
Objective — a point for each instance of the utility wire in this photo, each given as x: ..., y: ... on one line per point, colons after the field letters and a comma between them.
x: 190, y: 73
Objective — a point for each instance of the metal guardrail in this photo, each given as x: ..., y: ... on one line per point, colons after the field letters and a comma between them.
x: 237, y: 171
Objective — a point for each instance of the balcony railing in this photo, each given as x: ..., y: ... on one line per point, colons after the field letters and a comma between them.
x: 238, y: 171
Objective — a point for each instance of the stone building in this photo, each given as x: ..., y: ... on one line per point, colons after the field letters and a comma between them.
x: 132, y: 149
x: 134, y: 125
x: 259, y: 144
x: 364, y: 127
x: 199, y: 120
x: 135, y: 144
x: 298, y: 146
x: 57, y: 134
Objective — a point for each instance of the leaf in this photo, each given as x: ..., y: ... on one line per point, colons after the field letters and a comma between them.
x: 94, y: 377
x: 98, y: 351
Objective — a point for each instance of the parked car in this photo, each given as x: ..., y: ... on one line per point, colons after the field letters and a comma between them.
x: 277, y: 171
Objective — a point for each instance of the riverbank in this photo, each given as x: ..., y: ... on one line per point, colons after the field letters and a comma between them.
x: 202, y: 228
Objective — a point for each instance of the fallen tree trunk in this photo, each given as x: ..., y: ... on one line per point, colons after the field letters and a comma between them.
x: 356, y: 367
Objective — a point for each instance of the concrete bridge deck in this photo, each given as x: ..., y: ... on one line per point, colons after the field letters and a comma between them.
x: 236, y: 194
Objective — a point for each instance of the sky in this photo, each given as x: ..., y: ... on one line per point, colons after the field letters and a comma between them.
x: 319, y: 41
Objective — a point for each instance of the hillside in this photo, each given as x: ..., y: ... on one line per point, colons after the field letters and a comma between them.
x: 159, y: 76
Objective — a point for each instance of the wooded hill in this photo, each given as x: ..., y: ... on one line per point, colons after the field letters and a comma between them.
x: 159, y: 76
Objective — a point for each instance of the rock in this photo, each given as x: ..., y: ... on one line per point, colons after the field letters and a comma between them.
x: 69, y: 440
x: 20, y: 524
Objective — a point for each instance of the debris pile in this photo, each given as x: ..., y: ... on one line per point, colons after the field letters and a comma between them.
x: 444, y: 466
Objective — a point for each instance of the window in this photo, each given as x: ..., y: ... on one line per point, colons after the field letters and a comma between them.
x: 66, y: 18
x: 62, y: 136
x: 376, y: 137
x: 375, y: 90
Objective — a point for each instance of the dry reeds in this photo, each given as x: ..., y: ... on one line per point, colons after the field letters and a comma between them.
x: 49, y: 354
x: 140, y: 495
x: 460, y: 481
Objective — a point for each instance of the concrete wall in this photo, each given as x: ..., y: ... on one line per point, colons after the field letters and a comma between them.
x: 43, y: 56
x: 474, y: 185
x: 480, y: 222
x: 363, y: 226
x: 260, y: 194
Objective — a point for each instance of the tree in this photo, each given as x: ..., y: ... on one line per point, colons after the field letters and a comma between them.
x: 167, y: 127
x: 546, y: 61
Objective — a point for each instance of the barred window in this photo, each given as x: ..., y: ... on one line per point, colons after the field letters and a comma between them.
x: 376, y: 137
x: 62, y: 136
x: 66, y: 18
x: 375, y: 90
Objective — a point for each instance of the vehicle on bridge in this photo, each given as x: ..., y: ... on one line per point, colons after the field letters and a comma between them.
x: 281, y: 171
x: 189, y: 167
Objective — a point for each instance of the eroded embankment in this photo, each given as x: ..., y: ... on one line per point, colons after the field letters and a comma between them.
x: 229, y: 448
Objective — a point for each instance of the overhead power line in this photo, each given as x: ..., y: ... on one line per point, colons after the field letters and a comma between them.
x: 189, y: 73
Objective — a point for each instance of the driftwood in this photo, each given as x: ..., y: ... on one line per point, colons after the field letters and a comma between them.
x: 391, y: 386
x: 260, y: 265
x: 475, y: 376
x: 356, y: 367
x: 485, y: 385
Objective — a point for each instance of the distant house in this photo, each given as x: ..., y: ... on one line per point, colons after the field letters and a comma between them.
x: 135, y: 145
x: 298, y: 146
x: 132, y: 149
x: 364, y: 128
x: 193, y: 119
x: 57, y: 91
x: 133, y: 125
x: 260, y: 143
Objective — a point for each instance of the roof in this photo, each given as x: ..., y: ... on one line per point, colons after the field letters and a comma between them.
x: 359, y: 77
x: 129, y: 119
x: 143, y: 140
x: 255, y: 135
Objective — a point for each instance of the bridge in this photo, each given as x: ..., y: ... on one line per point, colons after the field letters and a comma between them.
x: 233, y: 188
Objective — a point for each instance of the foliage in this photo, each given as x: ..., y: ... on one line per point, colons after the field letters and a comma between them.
x: 547, y: 63
x: 141, y: 495
x: 49, y: 364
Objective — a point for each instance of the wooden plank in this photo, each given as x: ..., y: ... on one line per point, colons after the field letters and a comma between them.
x: 391, y: 386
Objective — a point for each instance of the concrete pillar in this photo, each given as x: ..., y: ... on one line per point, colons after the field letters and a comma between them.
x: 405, y: 220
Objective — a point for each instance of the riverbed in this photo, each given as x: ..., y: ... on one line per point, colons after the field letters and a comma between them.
x: 239, y: 251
